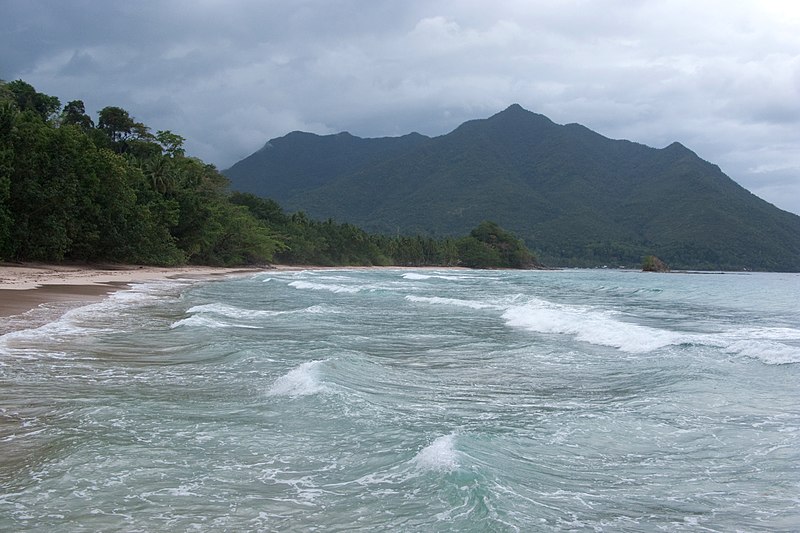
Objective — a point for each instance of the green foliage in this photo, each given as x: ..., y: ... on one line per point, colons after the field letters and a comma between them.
x: 312, y: 242
x: 116, y: 123
x: 28, y: 99
x: 477, y: 254
x: 652, y: 263
x: 74, y: 113
x: 70, y: 191
x: 172, y: 143
x: 502, y: 248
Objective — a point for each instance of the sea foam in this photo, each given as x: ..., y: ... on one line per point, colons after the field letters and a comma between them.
x: 214, y: 315
x: 769, y: 352
x: 231, y: 311
x: 300, y: 381
x: 414, y: 276
x: 200, y: 321
x: 441, y: 454
x: 437, y: 300
x: 770, y: 345
x: 332, y: 287
x: 594, y: 327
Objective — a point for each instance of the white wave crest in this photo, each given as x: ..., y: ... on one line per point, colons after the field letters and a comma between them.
x: 415, y: 276
x: 231, y: 311
x: 332, y: 287
x: 769, y: 352
x: 770, y: 345
x: 440, y: 454
x: 300, y: 381
x: 200, y: 321
x: 590, y: 326
x: 213, y: 315
x: 318, y: 310
x: 436, y: 300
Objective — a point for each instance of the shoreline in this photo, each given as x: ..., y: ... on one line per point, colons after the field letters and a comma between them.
x: 24, y: 287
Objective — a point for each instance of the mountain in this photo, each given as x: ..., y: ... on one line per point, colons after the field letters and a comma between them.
x: 576, y: 197
x: 299, y: 162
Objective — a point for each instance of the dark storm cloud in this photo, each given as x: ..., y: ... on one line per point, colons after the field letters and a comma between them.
x: 722, y: 78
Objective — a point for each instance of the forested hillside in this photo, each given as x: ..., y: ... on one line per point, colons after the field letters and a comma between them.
x: 576, y: 198
x: 113, y: 191
x: 299, y: 162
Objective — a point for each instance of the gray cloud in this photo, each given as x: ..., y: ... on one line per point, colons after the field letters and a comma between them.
x: 721, y: 77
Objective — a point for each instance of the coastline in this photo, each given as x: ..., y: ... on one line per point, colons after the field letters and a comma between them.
x: 23, y: 287
x: 26, y: 287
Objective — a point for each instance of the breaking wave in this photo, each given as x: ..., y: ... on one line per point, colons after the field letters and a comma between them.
x: 441, y: 454
x: 332, y: 287
x: 300, y: 381
x: 436, y: 300
x: 594, y: 327
x: 213, y: 315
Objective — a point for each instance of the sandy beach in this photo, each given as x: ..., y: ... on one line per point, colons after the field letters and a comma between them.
x: 25, y: 286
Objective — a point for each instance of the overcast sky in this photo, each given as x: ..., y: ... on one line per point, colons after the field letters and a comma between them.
x: 721, y: 77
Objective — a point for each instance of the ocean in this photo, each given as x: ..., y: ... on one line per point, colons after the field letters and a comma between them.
x: 409, y: 400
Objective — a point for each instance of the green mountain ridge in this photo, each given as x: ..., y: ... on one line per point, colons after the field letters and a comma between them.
x: 300, y: 161
x: 575, y: 197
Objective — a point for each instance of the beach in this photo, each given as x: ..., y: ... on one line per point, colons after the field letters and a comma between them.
x: 25, y: 286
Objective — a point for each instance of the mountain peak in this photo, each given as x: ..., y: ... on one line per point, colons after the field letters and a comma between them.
x: 677, y: 149
x: 515, y: 119
x: 582, y: 199
x: 676, y: 146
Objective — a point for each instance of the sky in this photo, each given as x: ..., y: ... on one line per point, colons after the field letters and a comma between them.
x: 720, y: 77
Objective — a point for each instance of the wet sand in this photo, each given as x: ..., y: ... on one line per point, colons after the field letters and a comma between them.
x: 15, y: 301
x: 25, y: 286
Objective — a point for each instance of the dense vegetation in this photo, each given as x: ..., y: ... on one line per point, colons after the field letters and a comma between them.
x: 307, y: 241
x: 114, y: 191
x: 70, y: 189
x: 652, y: 263
x: 576, y: 198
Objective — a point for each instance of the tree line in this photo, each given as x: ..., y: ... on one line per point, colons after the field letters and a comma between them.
x: 114, y: 191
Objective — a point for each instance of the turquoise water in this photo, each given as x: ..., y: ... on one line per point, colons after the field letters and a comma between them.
x: 410, y: 400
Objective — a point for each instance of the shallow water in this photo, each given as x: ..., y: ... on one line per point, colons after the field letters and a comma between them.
x: 411, y: 401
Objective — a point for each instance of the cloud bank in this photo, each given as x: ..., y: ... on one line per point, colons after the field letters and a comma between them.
x: 723, y: 78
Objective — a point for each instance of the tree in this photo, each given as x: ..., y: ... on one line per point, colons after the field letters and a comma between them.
x: 28, y: 99
x: 172, y: 143
x: 116, y: 123
x: 509, y: 250
x: 75, y: 113
x: 476, y: 254
x: 652, y: 263
x: 8, y: 114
